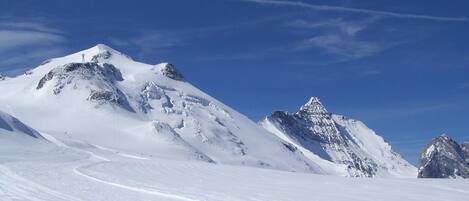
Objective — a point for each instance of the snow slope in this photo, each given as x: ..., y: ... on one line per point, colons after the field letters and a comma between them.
x: 103, y: 97
x: 338, y: 144
x: 74, y: 170
x: 10, y: 125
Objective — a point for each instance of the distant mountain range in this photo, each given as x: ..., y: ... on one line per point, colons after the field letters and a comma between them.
x: 103, y: 97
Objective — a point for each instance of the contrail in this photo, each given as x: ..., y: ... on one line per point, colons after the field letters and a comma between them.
x: 358, y: 10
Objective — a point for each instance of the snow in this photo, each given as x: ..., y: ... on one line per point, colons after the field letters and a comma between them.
x: 90, y: 102
x: 72, y: 172
x: 174, y: 143
x: 373, y: 146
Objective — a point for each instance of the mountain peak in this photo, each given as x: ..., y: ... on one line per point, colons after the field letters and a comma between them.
x: 443, y: 138
x: 97, y: 53
x: 313, y: 106
x: 443, y: 158
x: 102, y: 48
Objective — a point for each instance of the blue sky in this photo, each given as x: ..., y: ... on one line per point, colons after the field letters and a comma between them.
x: 402, y: 67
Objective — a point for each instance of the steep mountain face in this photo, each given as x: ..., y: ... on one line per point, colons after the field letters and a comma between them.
x: 465, y: 151
x: 104, y: 98
x: 346, y: 144
x: 10, y: 125
x: 444, y: 158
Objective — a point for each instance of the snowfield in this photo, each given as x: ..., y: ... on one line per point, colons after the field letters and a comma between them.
x: 38, y: 170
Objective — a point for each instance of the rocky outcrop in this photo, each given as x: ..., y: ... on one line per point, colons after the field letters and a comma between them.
x: 99, y: 78
x: 444, y: 158
x: 170, y: 71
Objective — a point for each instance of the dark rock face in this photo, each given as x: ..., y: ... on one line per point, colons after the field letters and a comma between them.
x: 2, y: 77
x: 444, y: 158
x: 170, y: 71
x: 99, y: 78
x: 313, y: 128
x: 85, y: 71
x: 101, y: 56
x: 465, y: 151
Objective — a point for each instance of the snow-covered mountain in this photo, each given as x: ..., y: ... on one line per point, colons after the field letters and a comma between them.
x: 444, y: 158
x: 337, y: 143
x: 104, y: 98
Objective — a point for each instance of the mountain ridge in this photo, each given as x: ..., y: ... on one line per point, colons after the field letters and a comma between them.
x: 105, y: 98
x: 343, y: 142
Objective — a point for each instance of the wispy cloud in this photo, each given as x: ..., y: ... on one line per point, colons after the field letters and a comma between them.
x: 23, y: 43
x: 11, y: 39
x: 149, y: 42
x: 339, y: 37
x: 346, y: 47
x: 358, y: 10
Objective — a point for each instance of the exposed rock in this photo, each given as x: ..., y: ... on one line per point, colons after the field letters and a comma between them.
x: 444, y: 158
x: 99, y: 78
x: 326, y: 135
x: 170, y: 71
x: 465, y: 151
x: 101, y: 56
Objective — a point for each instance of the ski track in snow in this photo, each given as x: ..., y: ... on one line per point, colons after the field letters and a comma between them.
x: 136, y: 189
x: 20, y: 188
x: 104, y: 159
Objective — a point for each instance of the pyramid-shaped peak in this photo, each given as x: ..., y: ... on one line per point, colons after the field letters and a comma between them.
x: 444, y: 137
x: 313, y: 106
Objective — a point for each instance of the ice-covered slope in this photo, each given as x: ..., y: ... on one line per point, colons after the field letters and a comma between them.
x: 338, y: 143
x: 105, y: 98
x: 444, y: 158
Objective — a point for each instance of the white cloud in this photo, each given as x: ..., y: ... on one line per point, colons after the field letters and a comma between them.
x: 357, y: 10
x: 149, y: 42
x: 347, y: 47
x: 23, y: 44
x: 338, y: 37
x: 12, y: 39
x: 346, y: 27
x: 40, y: 27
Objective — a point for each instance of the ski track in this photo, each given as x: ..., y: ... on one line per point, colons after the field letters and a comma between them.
x: 136, y: 189
x: 14, y: 187
x: 103, y: 159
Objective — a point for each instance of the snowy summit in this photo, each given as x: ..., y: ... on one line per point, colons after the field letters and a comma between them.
x: 98, y: 125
